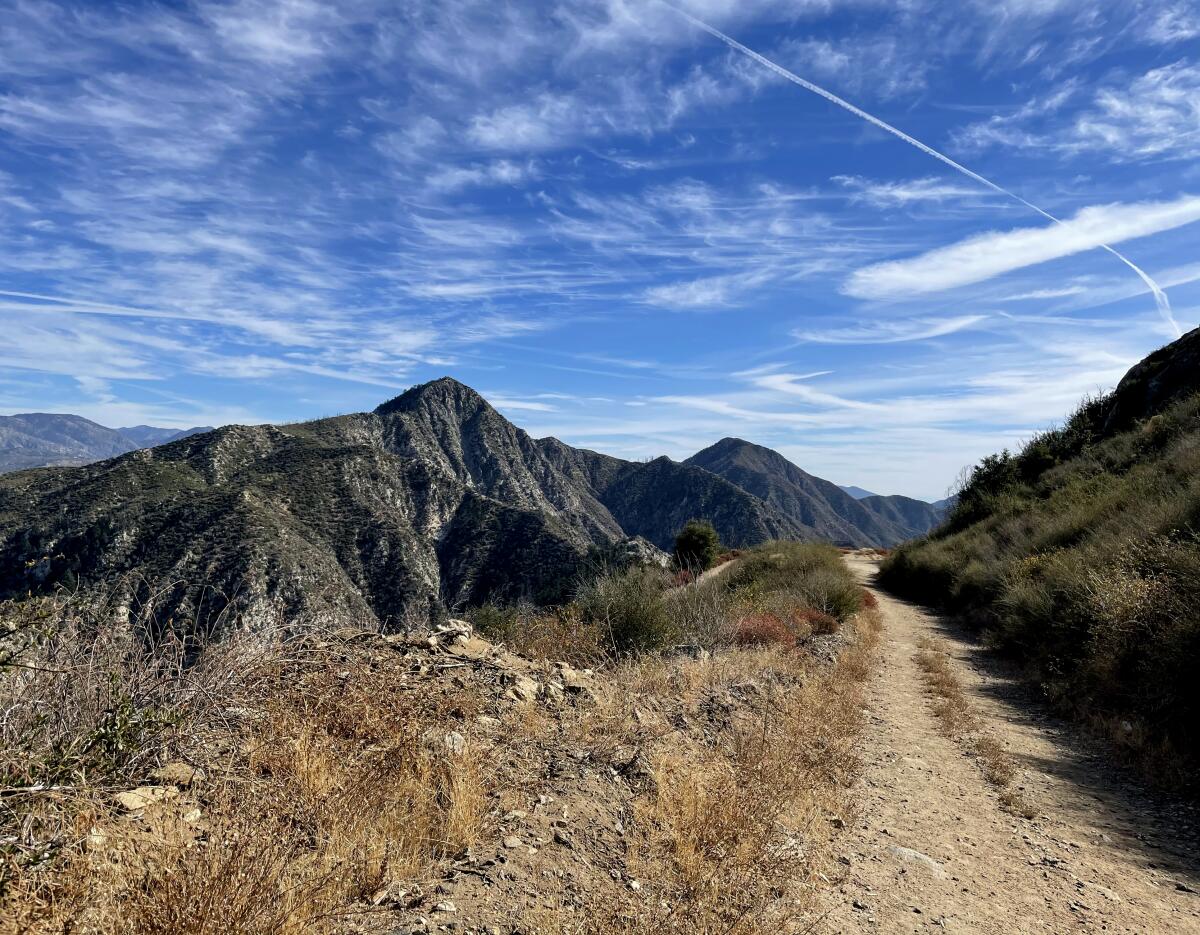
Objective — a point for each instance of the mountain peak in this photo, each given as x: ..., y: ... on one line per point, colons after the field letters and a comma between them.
x: 444, y: 390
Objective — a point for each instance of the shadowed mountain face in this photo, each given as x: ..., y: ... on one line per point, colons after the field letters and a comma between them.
x: 824, y: 509
x: 39, y: 439
x: 434, y: 500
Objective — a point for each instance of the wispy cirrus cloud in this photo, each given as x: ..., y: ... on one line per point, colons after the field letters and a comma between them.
x: 985, y: 256
x: 1154, y: 115
x: 890, y: 332
x: 889, y: 194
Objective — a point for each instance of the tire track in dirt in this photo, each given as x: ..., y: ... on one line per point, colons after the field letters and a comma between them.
x: 934, y: 851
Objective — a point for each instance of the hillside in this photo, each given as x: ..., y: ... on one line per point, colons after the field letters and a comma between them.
x: 810, y: 502
x: 1079, y: 554
x: 40, y: 439
x: 432, y: 501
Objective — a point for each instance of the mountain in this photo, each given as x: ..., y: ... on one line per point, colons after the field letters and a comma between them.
x: 909, y: 517
x: 39, y: 439
x: 858, y: 493
x: 1079, y: 554
x: 945, y: 505
x: 432, y: 501
x: 819, y: 506
x: 148, y: 436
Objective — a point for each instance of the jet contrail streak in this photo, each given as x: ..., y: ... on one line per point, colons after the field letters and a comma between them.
x: 1160, y: 297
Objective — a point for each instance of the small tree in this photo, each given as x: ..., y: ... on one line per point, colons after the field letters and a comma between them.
x: 697, y: 545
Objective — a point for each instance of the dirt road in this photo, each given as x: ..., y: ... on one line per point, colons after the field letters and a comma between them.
x: 933, y: 851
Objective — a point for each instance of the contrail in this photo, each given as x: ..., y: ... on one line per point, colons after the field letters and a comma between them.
x: 1160, y: 297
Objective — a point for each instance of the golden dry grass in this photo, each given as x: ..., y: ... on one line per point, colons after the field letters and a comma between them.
x: 737, y: 831
x: 335, y: 769
x: 326, y: 780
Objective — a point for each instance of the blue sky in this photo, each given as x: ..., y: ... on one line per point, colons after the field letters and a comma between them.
x: 620, y: 229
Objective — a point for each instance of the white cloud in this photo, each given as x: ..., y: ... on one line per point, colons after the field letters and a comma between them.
x: 500, y: 172
x: 1176, y: 23
x: 1061, y: 293
x: 1156, y: 115
x: 884, y: 194
x: 543, y: 124
x: 707, y: 292
x: 881, y: 66
x: 890, y: 332
x: 992, y: 254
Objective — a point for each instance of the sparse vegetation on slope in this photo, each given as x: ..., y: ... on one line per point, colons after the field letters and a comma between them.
x: 353, y: 782
x: 1080, y: 555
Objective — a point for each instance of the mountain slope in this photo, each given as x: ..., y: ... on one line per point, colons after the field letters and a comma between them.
x: 910, y: 517
x: 38, y: 439
x: 809, y: 502
x: 1080, y: 555
x: 858, y: 493
x: 433, y: 500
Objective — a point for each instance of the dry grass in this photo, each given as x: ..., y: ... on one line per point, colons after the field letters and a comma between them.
x: 325, y: 778
x: 334, y: 769
x: 960, y: 722
x: 737, y: 834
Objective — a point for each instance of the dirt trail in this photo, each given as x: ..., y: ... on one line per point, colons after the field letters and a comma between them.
x: 933, y: 851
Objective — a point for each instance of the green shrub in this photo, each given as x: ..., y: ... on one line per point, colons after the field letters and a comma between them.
x: 814, y: 575
x: 697, y: 545
x: 630, y: 607
x: 1080, y: 556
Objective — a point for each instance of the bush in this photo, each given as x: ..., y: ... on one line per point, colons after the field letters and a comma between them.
x: 629, y: 607
x: 1079, y: 556
x: 697, y: 546
x: 818, y: 622
x: 814, y: 575
x: 763, y: 630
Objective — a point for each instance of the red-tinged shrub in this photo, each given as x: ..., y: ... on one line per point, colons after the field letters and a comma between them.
x: 818, y: 622
x: 682, y: 577
x: 869, y: 600
x: 763, y: 630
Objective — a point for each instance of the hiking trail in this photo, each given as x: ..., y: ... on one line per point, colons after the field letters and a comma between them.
x: 933, y: 850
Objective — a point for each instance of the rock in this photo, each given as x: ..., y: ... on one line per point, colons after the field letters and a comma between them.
x: 391, y: 895
x: 635, y: 885
x: 445, y: 906
x: 523, y: 689
x: 576, y: 682
x: 1104, y: 891
x: 177, y: 773
x: 137, y: 799
x: 909, y: 856
x: 512, y: 841
x: 455, y: 742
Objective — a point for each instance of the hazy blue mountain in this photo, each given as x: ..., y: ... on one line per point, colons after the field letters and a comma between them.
x: 41, y: 439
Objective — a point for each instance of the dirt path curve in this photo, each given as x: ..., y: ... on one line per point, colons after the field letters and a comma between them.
x: 933, y: 851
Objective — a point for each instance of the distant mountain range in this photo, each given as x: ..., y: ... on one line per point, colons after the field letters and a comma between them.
x: 858, y: 493
x: 41, y: 439
x: 433, y: 500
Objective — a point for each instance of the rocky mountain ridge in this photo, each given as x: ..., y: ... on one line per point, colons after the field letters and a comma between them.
x: 431, y: 501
